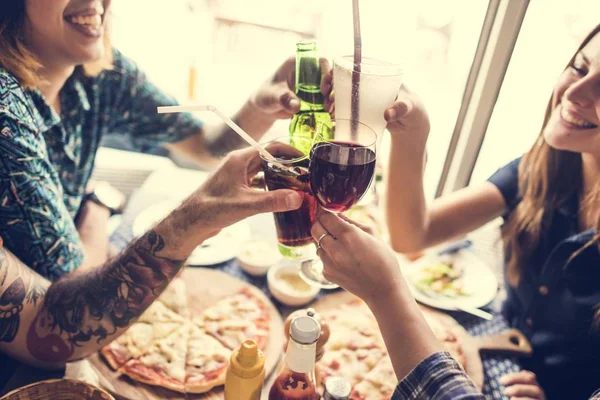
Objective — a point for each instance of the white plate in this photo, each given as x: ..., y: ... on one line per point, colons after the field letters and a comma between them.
x: 218, y: 249
x: 478, y: 279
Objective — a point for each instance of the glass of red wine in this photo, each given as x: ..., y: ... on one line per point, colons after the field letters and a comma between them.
x: 342, y: 167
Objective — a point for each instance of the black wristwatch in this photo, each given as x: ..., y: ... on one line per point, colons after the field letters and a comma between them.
x: 107, y: 196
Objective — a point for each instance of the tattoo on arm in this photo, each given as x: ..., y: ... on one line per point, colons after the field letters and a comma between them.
x: 11, y: 305
x: 87, y: 307
x: 26, y: 288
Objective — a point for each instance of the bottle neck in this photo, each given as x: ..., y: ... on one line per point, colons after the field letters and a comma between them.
x: 300, y: 357
x: 308, y: 80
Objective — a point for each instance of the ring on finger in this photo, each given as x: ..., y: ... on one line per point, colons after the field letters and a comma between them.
x: 323, y: 236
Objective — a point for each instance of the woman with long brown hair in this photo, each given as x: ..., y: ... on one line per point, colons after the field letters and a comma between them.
x: 550, y: 201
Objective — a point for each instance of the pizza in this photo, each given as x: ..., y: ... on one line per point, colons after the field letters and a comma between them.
x: 170, y: 348
x: 158, y: 312
x: 237, y: 318
x: 135, y: 341
x: 156, y: 323
x: 206, y: 362
x: 356, y: 351
x: 163, y: 363
x: 350, y: 364
x: 351, y: 315
x: 378, y: 384
x: 355, y: 327
x: 175, y: 297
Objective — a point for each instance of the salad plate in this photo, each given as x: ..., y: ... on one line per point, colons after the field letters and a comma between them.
x: 451, y: 281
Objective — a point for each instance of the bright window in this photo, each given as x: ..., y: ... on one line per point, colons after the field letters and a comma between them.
x: 234, y: 44
x: 551, y: 32
x: 434, y: 39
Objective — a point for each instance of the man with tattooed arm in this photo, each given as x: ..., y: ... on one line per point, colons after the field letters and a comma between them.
x: 47, y: 324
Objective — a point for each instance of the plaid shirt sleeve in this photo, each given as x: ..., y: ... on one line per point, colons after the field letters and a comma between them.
x: 438, y: 377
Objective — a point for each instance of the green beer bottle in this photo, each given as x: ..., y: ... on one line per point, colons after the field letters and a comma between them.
x: 308, y: 89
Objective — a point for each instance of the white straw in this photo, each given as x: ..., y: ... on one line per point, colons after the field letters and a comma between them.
x: 228, y: 121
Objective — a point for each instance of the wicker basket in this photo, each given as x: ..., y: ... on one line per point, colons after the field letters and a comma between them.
x: 58, y: 389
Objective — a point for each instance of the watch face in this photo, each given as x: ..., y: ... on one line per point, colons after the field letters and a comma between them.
x: 109, y: 196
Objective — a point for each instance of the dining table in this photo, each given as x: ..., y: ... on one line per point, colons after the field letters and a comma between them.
x: 166, y: 184
x: 173, y: 184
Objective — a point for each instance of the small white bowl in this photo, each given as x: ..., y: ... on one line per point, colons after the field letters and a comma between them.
x: 256, y: 256
x: 281, y: 288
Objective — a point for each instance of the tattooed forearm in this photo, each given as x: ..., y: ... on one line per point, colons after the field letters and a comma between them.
x: 17, y: 289
x: 87, y: 307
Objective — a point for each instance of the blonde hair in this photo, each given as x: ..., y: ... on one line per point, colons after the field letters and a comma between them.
x: 19, y: 60
x: 548, y: 178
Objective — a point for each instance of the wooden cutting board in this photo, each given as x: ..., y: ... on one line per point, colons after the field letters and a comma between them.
x: 510, y: 341
x: 205, y: 287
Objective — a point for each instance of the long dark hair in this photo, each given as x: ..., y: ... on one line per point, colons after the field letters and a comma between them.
x: 547, y: 179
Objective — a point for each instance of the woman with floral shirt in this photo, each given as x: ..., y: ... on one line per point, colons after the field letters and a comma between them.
x: 424, y: 370
x: 62, y: 90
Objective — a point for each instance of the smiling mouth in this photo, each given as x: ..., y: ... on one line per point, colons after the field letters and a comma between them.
x: 88, y: 21
x: 575, y: 122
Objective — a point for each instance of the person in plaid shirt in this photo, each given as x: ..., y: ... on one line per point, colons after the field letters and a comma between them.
x: 424, y: 369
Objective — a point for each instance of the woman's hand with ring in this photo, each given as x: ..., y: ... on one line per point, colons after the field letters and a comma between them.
x: 323, y: 236
x: 353, y: 259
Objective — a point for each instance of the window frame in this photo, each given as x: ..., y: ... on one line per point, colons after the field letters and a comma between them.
x: 499, y: 34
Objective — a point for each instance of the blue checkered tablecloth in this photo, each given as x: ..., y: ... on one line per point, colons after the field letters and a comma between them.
x: 495, y: 366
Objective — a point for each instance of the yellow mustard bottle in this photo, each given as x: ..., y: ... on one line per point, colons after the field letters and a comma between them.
x: 246, y: 373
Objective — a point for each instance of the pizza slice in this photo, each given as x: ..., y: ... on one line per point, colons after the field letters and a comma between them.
x: 350, y: 364
x: 175, y: 297
x: 353, y: 338
x: 352, y: 326
x: 163, y: 364
x: 136, y: 340
x: 355, y: 345
x: 155, y: 323
x: 236, y: 318
x: 354, y: 314
x: 378, y: 384
x: 206, y: 363
x: 158, y: 312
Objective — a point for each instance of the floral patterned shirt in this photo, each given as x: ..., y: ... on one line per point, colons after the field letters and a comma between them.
x: 46, y: 160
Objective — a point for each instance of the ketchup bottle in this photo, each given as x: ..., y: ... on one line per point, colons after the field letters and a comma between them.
x: 296, y: 381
